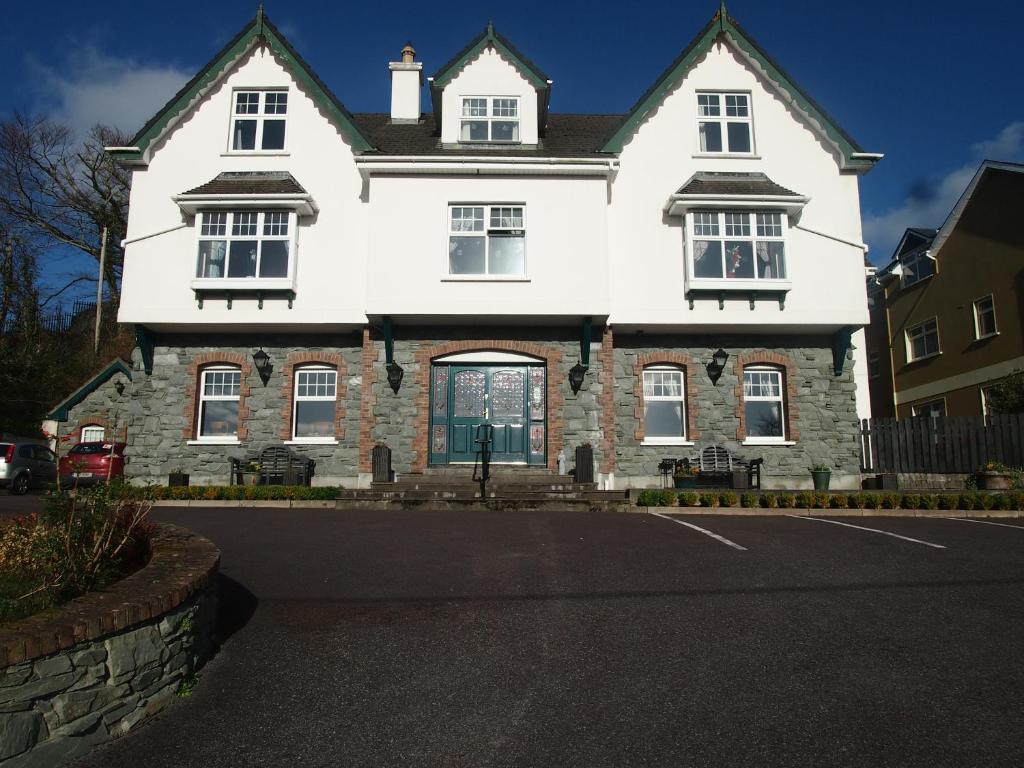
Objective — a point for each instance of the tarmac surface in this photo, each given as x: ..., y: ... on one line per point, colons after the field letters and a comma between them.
x: 594, y: 639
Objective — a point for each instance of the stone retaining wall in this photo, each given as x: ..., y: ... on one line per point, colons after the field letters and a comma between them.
x: 95, y: 667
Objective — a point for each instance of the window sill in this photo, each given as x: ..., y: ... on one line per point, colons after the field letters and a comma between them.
x: 256, y: 153
x: 923, y: 358
x: 986, y: 337
x: 761, y: 441
x: 312, y: 441
x: 904, y: 284
x: 676, y: 444
x: 727, y: 155
x: 243, y: 284
x: 485, y: 279
x: 727, y: 284
x: 212, y: 441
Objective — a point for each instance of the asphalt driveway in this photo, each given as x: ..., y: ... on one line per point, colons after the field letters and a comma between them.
x: 529, y: 639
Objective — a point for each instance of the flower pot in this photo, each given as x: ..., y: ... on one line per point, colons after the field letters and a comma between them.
x: 821, y: 479
x: 250, y: 478
x: 685, y: 481
x: 994, y: 481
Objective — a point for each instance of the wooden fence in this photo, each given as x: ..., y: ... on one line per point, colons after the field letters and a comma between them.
x: 941, y: 445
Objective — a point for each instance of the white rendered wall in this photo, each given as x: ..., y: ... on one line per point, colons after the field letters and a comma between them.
x: 566, y: 247
x: 646, y: 245
x: 488, y: 75
x: 331, y: 254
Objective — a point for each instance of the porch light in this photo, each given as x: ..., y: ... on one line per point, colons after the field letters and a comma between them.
x: 395, y: 374
x: 119, y: 386
x: 263, y: 365
x: 717, y: 365
x: 576, y: 374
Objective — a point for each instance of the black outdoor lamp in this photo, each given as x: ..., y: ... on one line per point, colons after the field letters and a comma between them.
x: 395, y: 374
x: 717, y: 365
x: 119, y: 386
x: 576, y: 374
x: 263, y: 365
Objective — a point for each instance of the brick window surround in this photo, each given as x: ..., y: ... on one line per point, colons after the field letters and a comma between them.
x: 607, y: 401
x: 775, y: 360
x: 555, y: 397
x: 195, y: 367
x: 298, y: 360
x: 75, y: 433
x: 366, y: 401
x: 677, y: 359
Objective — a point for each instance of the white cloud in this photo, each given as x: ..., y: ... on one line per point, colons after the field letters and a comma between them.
x: 931, y: 200
x: 92, y: 87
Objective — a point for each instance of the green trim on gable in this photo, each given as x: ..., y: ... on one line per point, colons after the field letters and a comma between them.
x: 259, y: 31
x: 487, y: 38
x: 60, y: 411
x: 723, y: 24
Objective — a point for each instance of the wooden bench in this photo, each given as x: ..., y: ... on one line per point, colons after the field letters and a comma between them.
x: 719, y: 468
x: 276, y: 465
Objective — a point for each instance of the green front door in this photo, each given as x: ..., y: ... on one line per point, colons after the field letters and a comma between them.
x: 465, y: 396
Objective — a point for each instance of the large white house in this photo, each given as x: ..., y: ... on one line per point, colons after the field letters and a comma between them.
x: 301, y: 274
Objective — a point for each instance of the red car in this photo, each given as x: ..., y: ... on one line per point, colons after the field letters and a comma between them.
x: 89, y: 463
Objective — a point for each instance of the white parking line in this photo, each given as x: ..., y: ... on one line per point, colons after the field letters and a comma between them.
x: 985, y: 522
x: 714, y: 536
x: 872, y: 530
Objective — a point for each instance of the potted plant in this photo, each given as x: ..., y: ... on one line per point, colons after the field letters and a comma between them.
x: 176, y: 478
x: 995, y: 476
x: 251, y: 473
x: 821, y: 474
x: 685, y: 476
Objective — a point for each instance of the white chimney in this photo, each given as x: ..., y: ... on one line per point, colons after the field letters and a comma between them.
x: 406, y: 79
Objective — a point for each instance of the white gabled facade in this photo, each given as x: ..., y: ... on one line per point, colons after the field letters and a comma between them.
x: 485, y: 249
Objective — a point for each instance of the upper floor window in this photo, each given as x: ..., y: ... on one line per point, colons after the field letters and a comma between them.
x: 258, y: 121
x: 723, y: 122
x: 916, y: 267
x: 763, y: 403
x: 922, y: 340
x: 738, y: 245
x: 487, y: 240
x: 315, y: 396
x: 984, y: 317
x: 490, y: 118
x: 664, y: 405
x: 244, y: 244
x: 219, y: 394
x: 874, y: 365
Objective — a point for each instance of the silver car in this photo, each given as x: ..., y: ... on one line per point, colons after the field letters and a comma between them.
x: 24, y: 465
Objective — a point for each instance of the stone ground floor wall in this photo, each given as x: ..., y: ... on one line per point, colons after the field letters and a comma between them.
x: 103, y: 407
x: 607, y: 412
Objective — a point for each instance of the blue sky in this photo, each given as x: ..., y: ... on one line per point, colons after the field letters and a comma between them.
x: 933, y: 85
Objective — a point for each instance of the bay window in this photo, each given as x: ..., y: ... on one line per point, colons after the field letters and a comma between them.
x: 737, y: 245
x: 487, y: 240
x: 314, y: 407
x: 763, y: 403
x: 219, y: 395
x: 245, y: 244
x: 664, y: 405
x: 490, y: 118
x: 258, y: 121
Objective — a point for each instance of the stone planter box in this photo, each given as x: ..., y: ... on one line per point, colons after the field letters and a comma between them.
x: 90, y: 670
x: 994, y: 481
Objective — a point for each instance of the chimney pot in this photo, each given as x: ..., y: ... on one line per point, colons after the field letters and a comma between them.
x: 408, y: 54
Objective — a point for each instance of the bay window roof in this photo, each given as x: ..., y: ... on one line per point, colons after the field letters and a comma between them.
x: 248, y: 189
x: 707, y: 189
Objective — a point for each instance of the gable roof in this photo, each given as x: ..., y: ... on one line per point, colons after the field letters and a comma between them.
x: 988, y: 166
x: 259, y: 31
x: 117, y: 365
x: 490, y: 38
x: 722, y: 25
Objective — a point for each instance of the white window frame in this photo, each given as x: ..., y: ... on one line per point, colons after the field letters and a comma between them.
x: 874, y: 365
x: 910, y: 263
x: 230, y: 214
x: 983, y: 392
x: 723, y: 120
x: 489, y: 118
x: 204, y: 398
x: 682, y: 439
x: 920, y: 330
x: 977, y: 318
x: 88, y: 433
x: 260, y: 116
x: 486, y: 234
x: 915, y: 410
x: 297, y: 398
x: 721, y: 217
x: 781, y: 400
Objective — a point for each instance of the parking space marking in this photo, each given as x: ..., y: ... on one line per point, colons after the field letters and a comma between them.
x: 706, y: 532
x: 872, y: 530
x: 985, y: 522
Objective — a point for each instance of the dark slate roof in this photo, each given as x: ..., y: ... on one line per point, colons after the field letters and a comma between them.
x: 250, y: 183
x: 566, y: 136
x: 720, y: 183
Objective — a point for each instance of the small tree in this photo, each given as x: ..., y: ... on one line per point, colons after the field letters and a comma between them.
x: 1008, y: 395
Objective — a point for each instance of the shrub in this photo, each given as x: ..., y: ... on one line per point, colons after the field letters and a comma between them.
x: 872, y: 501
x: 948, y: 501
x: 804, y: 500
x: 1002, y: 501
x: 911, y: 501
x: 649, y: 498
x: 727, y: 499
x: 838, y: 501
x: 856, y: 500
x: 749, y: 500
x: 708, y: 500
x: 820, y: 500
x: 890, y: 500
x: 688, y: 499
x: 787, y: 500
x: 984, y: 501
x: 966, y: 501
x: 769, y: 501
x: 929, y: 501
x: 1017, y: 500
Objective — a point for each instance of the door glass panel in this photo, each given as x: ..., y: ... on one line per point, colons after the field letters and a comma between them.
x: 469, y: 394
x: 507, y: 394
x: 439, y: 438
x: 441, y: 391
x: 537, y: 438
x: 536, y: 393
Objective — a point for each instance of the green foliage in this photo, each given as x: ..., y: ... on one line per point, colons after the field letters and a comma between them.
x: 820, y: 500
x: 688, y: 499
x: 749, y: 500
x: 838, y: 501
x: 187, y: 685
x: 787, y: 500
x: 1017, y: 500
x: 967, y: 501
x: 890, y: 500
x: 971, y: 483
x: 872, y: 500
x: 1002, y: 501
x: 984, y: 501
x: 804, y: 500
x: 727, y: 499
x: 648, y: 498
x: 856, y: 500
x: 929, y: 501
x: 708, y: 499
x: 1008, y: 395
x: 769, y: 500
x: 821, y: 468
x: 948, y: 501
x: 910, y: 501
x: 232, y: 492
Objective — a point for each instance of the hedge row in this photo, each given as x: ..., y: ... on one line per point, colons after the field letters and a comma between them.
x: 818, y: 500
x: 232, y: 492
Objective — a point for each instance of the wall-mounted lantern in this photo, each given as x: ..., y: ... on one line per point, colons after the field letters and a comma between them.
x: 576, y: 374
x: 395, y: 374
x: 119, y: 387
x: 263, y: 365
x: 717, y: 365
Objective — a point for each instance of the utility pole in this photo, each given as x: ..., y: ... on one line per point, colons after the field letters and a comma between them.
x: 99, y: 292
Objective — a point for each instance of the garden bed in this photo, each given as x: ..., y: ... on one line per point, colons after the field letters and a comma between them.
x: 966, y: 501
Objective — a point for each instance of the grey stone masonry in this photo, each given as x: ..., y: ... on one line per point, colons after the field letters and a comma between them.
x: 162, y: 413
x: 102, y: 407
x: 54, y: 709
x: 820, y: 405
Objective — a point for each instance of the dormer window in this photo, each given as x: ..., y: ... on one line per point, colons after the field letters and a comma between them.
x: 490, y: 118
x: 258, y: 121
